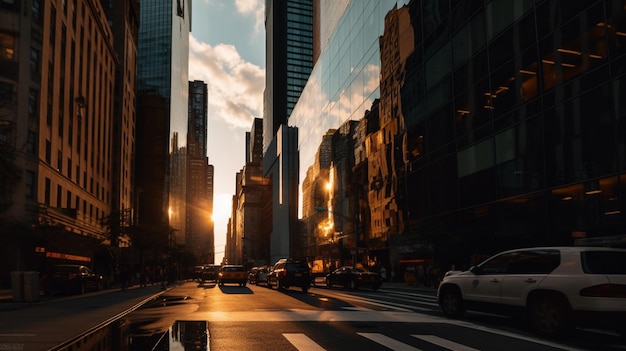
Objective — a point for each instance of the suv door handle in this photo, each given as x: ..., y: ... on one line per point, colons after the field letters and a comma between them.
x: 530, y: 280
x: 494, y: 280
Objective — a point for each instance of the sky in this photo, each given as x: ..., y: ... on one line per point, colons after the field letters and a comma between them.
x: 227, y: 52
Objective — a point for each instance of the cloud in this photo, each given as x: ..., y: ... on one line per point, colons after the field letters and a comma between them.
x: 235, y: 86
x: 255, y: 8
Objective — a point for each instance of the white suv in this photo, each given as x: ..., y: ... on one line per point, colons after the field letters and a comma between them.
x: 556, y: 287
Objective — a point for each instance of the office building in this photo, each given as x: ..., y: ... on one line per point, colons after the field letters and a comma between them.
x: 162, y: 112
x: 482, y: 126
x: 289, y: 60
x: 57, y: 82
x: 123, y: 17
x: 251, y: 231
x: 199, y: 238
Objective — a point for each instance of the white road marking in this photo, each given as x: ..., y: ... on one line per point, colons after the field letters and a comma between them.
x: 388, y: 342
x: 450, y: 345
x: 302, y: 342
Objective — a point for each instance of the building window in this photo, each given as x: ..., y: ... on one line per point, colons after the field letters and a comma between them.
x: 48, y: 152
x: 30, y: 184
x: 7, y: 94
x: 31, y: 143
x: 47, y: 192
x: 33, y: 98
x: 34, y: 63
x: 59, y: 194
x: 7, y: 47
x: 69, y: 168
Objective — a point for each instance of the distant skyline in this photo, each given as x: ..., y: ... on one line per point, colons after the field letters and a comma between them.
x: 227, y: 51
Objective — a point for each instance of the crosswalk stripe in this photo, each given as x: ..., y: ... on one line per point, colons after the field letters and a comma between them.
x: 388, y: 342
x: 450, y: 345
x: 302, y: 342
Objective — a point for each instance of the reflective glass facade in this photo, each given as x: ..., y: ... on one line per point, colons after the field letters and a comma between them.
x: 435, y: 132
x: 289, y: 56
x: 162, y: 74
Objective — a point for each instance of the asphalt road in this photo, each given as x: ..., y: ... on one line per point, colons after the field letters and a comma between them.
x: 209, y: 317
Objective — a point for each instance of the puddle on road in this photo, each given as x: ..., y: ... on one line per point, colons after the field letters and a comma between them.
x: 164, y: 301
x: 185, y: 336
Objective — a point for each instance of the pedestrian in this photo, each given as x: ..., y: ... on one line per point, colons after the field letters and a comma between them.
x: 124, y: 277
x: 383, y: 273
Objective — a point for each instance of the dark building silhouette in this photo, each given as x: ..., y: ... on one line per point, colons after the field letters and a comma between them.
x: 199, y: 193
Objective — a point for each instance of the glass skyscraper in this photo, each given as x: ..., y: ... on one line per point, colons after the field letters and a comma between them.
x: 436, y: 132
x: 289, y: 60
x: 163, y: 55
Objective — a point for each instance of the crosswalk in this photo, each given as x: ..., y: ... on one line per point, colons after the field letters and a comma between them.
x: 303, y: 343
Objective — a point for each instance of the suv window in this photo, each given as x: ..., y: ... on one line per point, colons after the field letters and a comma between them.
x: 535, y: 262
x: 294, y: 266
x: 496, y: 265
x: 603, y: 262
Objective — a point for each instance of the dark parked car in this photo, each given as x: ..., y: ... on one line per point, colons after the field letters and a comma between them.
x: 289, y: 272
x: 210, y: 272
x: 72, y: 278
x: 353, y: 278
x: 261, y: 275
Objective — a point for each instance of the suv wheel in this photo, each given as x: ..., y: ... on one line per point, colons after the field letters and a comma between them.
x: 548, y: 316
x: 451, y: 302
x: 305, y: 288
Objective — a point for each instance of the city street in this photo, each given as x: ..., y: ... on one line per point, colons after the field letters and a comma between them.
x: 396, y: 317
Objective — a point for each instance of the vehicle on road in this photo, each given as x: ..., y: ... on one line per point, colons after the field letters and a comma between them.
x: 289, y: 272
x: 72, y: 278
x: 210, y: 272
x: 232, y: 274
x: 353, y: 278
x: 261, y: 276
x: 556, y: 288
x: 197, y: 272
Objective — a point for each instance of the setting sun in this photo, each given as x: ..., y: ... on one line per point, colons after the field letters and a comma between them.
x: 222, y: 205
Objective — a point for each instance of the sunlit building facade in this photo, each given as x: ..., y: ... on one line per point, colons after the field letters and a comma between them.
x: 57, y: 77
x: 482, y: 126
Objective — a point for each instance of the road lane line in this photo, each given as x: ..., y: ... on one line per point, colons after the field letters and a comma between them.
x: 450, y: 345
x: 302, y: 342
x: 388, y: 342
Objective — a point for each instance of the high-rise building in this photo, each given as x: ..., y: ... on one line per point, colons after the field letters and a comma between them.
x: 199, y: 238
x: 482, y: 126
x: 162, y: 112
x: 57, y: 78
x: 289, y: 60
x: 123, y: 17
x: 253, y: 193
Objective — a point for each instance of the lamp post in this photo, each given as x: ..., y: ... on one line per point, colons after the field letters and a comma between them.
x: 354, y: 221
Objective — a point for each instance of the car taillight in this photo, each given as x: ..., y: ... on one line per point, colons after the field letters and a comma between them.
x: 605, y: 290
